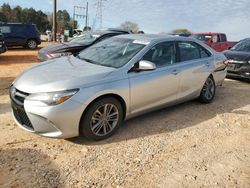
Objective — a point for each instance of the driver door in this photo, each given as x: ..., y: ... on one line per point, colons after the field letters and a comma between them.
x: 149, y: 89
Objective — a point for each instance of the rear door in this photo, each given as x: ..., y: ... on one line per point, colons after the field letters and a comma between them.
x: 19, y: 34
x: 194, y: 64
x: 154, y: 88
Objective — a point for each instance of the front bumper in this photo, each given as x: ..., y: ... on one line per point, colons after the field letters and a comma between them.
x: 42, y: 56
x: 239, y: 75
x: 60, y: 121
x: 239, y: 71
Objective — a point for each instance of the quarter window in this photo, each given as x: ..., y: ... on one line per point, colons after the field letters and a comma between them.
x: 162, y: 54
x: 5, y: 29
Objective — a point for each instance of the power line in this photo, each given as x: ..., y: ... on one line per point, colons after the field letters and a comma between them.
x: 81, y: 13
x: 98, y: 17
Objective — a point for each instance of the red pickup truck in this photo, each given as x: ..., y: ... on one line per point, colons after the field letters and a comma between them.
x: 218, y: 41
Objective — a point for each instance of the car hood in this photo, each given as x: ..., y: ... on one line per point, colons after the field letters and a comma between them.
x: 237, y: 56
x: 60, y: 47
x: 61, y: 74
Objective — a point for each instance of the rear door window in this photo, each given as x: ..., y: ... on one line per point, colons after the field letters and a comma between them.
x: 188, y: 51
x: 223, y: 38
x: 18, y: 28
x: 191, y: 51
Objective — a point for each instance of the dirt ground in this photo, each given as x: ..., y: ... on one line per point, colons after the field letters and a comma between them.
x: 189, y: 145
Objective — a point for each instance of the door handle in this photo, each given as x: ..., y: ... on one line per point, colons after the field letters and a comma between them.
x: 207, y: 64
x: 175, y: 72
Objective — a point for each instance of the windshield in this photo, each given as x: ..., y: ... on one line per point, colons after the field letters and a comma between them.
x: 243, y: 46
x: 84, y: 39
x: 202, y: 37
x: 113, y: 52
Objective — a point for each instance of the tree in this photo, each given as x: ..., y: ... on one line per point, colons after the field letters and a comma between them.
x: 42, y: 20
x: 2, y: 17
x: 130, y: 26
x: 140, y: 32
x: 181, y: 32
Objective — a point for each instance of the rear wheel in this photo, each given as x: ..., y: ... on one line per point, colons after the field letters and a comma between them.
x: 31, y: 44
x: 208, y: 91
x: 101, y: 119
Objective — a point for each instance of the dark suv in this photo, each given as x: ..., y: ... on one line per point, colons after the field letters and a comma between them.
x: 17, y: 34
x: 2, y: 44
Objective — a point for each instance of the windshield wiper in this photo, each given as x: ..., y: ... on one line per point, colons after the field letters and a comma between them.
x: 87, y: 60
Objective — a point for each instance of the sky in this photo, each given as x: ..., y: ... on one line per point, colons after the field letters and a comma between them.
x: 155, y: 16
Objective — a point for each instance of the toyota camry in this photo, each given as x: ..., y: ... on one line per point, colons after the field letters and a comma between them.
x: 93, y: 93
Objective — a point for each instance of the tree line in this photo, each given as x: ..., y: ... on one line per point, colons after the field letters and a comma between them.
x: 42, y: 20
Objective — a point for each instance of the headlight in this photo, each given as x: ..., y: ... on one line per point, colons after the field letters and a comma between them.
x: 57, y: 55
x: 53, y: 98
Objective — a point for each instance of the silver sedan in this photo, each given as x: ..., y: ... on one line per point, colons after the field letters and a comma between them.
x: 119, y: 78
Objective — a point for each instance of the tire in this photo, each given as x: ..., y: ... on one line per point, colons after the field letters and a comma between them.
x: 208, y: 91
x: 31, y: 44
x: 95, y: 125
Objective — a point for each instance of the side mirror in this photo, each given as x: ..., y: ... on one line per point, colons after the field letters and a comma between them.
x: 144, y: 65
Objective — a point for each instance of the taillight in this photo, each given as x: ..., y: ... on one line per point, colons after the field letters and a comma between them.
x: 226, y: 62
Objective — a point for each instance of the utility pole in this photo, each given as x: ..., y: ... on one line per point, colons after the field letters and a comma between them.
x: 54, y: 22
x: 87, y: 9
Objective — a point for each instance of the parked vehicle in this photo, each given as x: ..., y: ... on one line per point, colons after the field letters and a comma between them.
x: 2, y: 44
x: 77, y: 32
x: 218, y: 41
x: 239, y: 60
x: 77, y: 44
x: 113, y: 80
x: 17, y: 34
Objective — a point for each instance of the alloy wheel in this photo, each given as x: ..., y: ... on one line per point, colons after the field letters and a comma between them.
x: 208, y: 89
x: 104, y: 119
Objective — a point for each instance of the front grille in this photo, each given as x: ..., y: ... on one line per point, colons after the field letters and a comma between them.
x: 17, y: 104
x: 22, y: 117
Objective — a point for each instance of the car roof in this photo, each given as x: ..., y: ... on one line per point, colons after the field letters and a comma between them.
x: 208, y: 33
x: 155, y: 37
x: 6, y: 23
x: 103, y: 32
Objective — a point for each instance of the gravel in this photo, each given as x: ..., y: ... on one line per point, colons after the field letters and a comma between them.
x: 189, y: 145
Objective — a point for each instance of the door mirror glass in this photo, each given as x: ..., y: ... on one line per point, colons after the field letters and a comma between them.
x: 144, y: 65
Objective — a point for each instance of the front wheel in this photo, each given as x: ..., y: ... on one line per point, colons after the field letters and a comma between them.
x: 208, y: 91
x: 101, y: 119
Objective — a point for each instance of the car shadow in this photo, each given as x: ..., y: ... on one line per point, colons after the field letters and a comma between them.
x: 5, y: 83
x: 23, y: 167
x: 240, y: 79
x: 20, y: 48
x: 180, y: 116
x: 17, y: 59
x: 4, y: 108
